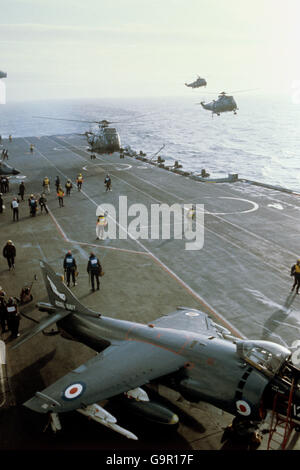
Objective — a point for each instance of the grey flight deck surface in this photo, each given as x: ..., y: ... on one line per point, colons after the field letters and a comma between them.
x: 240, y: 278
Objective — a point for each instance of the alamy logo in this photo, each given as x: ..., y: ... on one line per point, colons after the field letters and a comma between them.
x: 154, y: 222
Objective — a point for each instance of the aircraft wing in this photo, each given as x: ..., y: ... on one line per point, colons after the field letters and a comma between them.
x: 43, y: 323
x: 188, y: 320
x: 116, y: 370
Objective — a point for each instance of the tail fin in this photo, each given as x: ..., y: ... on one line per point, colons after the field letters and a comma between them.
x: 63, y: 301
x: 59, y: 295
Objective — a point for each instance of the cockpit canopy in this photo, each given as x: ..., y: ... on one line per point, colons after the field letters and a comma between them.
x: 263, y: 355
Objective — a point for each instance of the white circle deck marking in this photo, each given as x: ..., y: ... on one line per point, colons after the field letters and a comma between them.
x: 192, y: 314
x: 255, y: 206
x: 110, y: 164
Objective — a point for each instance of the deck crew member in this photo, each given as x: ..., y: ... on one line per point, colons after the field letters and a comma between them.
x: 60, y: 195
x: 70, y: 268
x: 101, y: 223
x: 46, y: 184
x: 295, y: 271
x: 42, y: 203
x: 5, y: 184
x: 79, y: 181
x: 107, y: 182
x: 32, y: 202
x: 13, y: 317
x: 9, y: 252
x: 68, y: 186
x: 94, y: 270
x: 22, y: 190
x: 3, y: 311
x: 15, y: 208
x: 1, y: 203
x: 57, y: 183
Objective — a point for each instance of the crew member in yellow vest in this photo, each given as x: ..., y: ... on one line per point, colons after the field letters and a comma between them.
x: 101, y: 223
x: 60, y: 195
x: 191, y: 214
x: 46, y: 184
x: 69, y: 186
x: 79, y: 181
x: 295, y: 271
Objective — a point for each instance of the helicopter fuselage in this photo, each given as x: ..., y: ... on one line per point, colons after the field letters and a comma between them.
x: 222, y: 105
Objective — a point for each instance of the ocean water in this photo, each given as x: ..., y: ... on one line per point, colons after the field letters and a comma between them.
x: 261, y: 142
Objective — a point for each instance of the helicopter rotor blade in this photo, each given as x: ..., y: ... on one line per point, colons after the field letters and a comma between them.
x: 62, y: 119
x: 79, y: 120
x: 234, y: 91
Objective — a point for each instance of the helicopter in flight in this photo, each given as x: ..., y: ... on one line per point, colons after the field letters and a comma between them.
x: 105, y: 139
x: 223, y: 104
x: 197, y: 83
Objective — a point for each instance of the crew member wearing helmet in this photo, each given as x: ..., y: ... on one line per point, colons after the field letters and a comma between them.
x: 79, y: 181
x: 70, y: 268
x: 9, y: 252
x: 295, y: 271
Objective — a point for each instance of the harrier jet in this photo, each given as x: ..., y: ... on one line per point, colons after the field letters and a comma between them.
x: 185, y: 350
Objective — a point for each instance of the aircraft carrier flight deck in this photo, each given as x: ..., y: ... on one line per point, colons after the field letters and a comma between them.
x: 240, y: 277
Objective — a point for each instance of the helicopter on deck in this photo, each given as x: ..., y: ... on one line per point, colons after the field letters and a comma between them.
x: 223, y: 104
x: 197, y: 83
x: 3, y: 74
x: 105, y: 139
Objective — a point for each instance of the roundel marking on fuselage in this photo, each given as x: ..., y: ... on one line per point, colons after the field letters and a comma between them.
x: 243, y: 408
x: 73, y: 391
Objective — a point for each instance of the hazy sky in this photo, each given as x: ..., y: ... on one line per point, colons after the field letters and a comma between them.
x: 124, y: 48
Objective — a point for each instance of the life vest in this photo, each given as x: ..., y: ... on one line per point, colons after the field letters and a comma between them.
x: 60, y: 193
x: 297, y: 269
x: 102, y: 221
x: 68, y: 185
x: 46, y: 181
x: 79, y: 179
x: 69, y: 261
x: 11, y: 309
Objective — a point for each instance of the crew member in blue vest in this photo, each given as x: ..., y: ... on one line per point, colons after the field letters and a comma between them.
x: 94, y: 270
x: 70, y: 268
